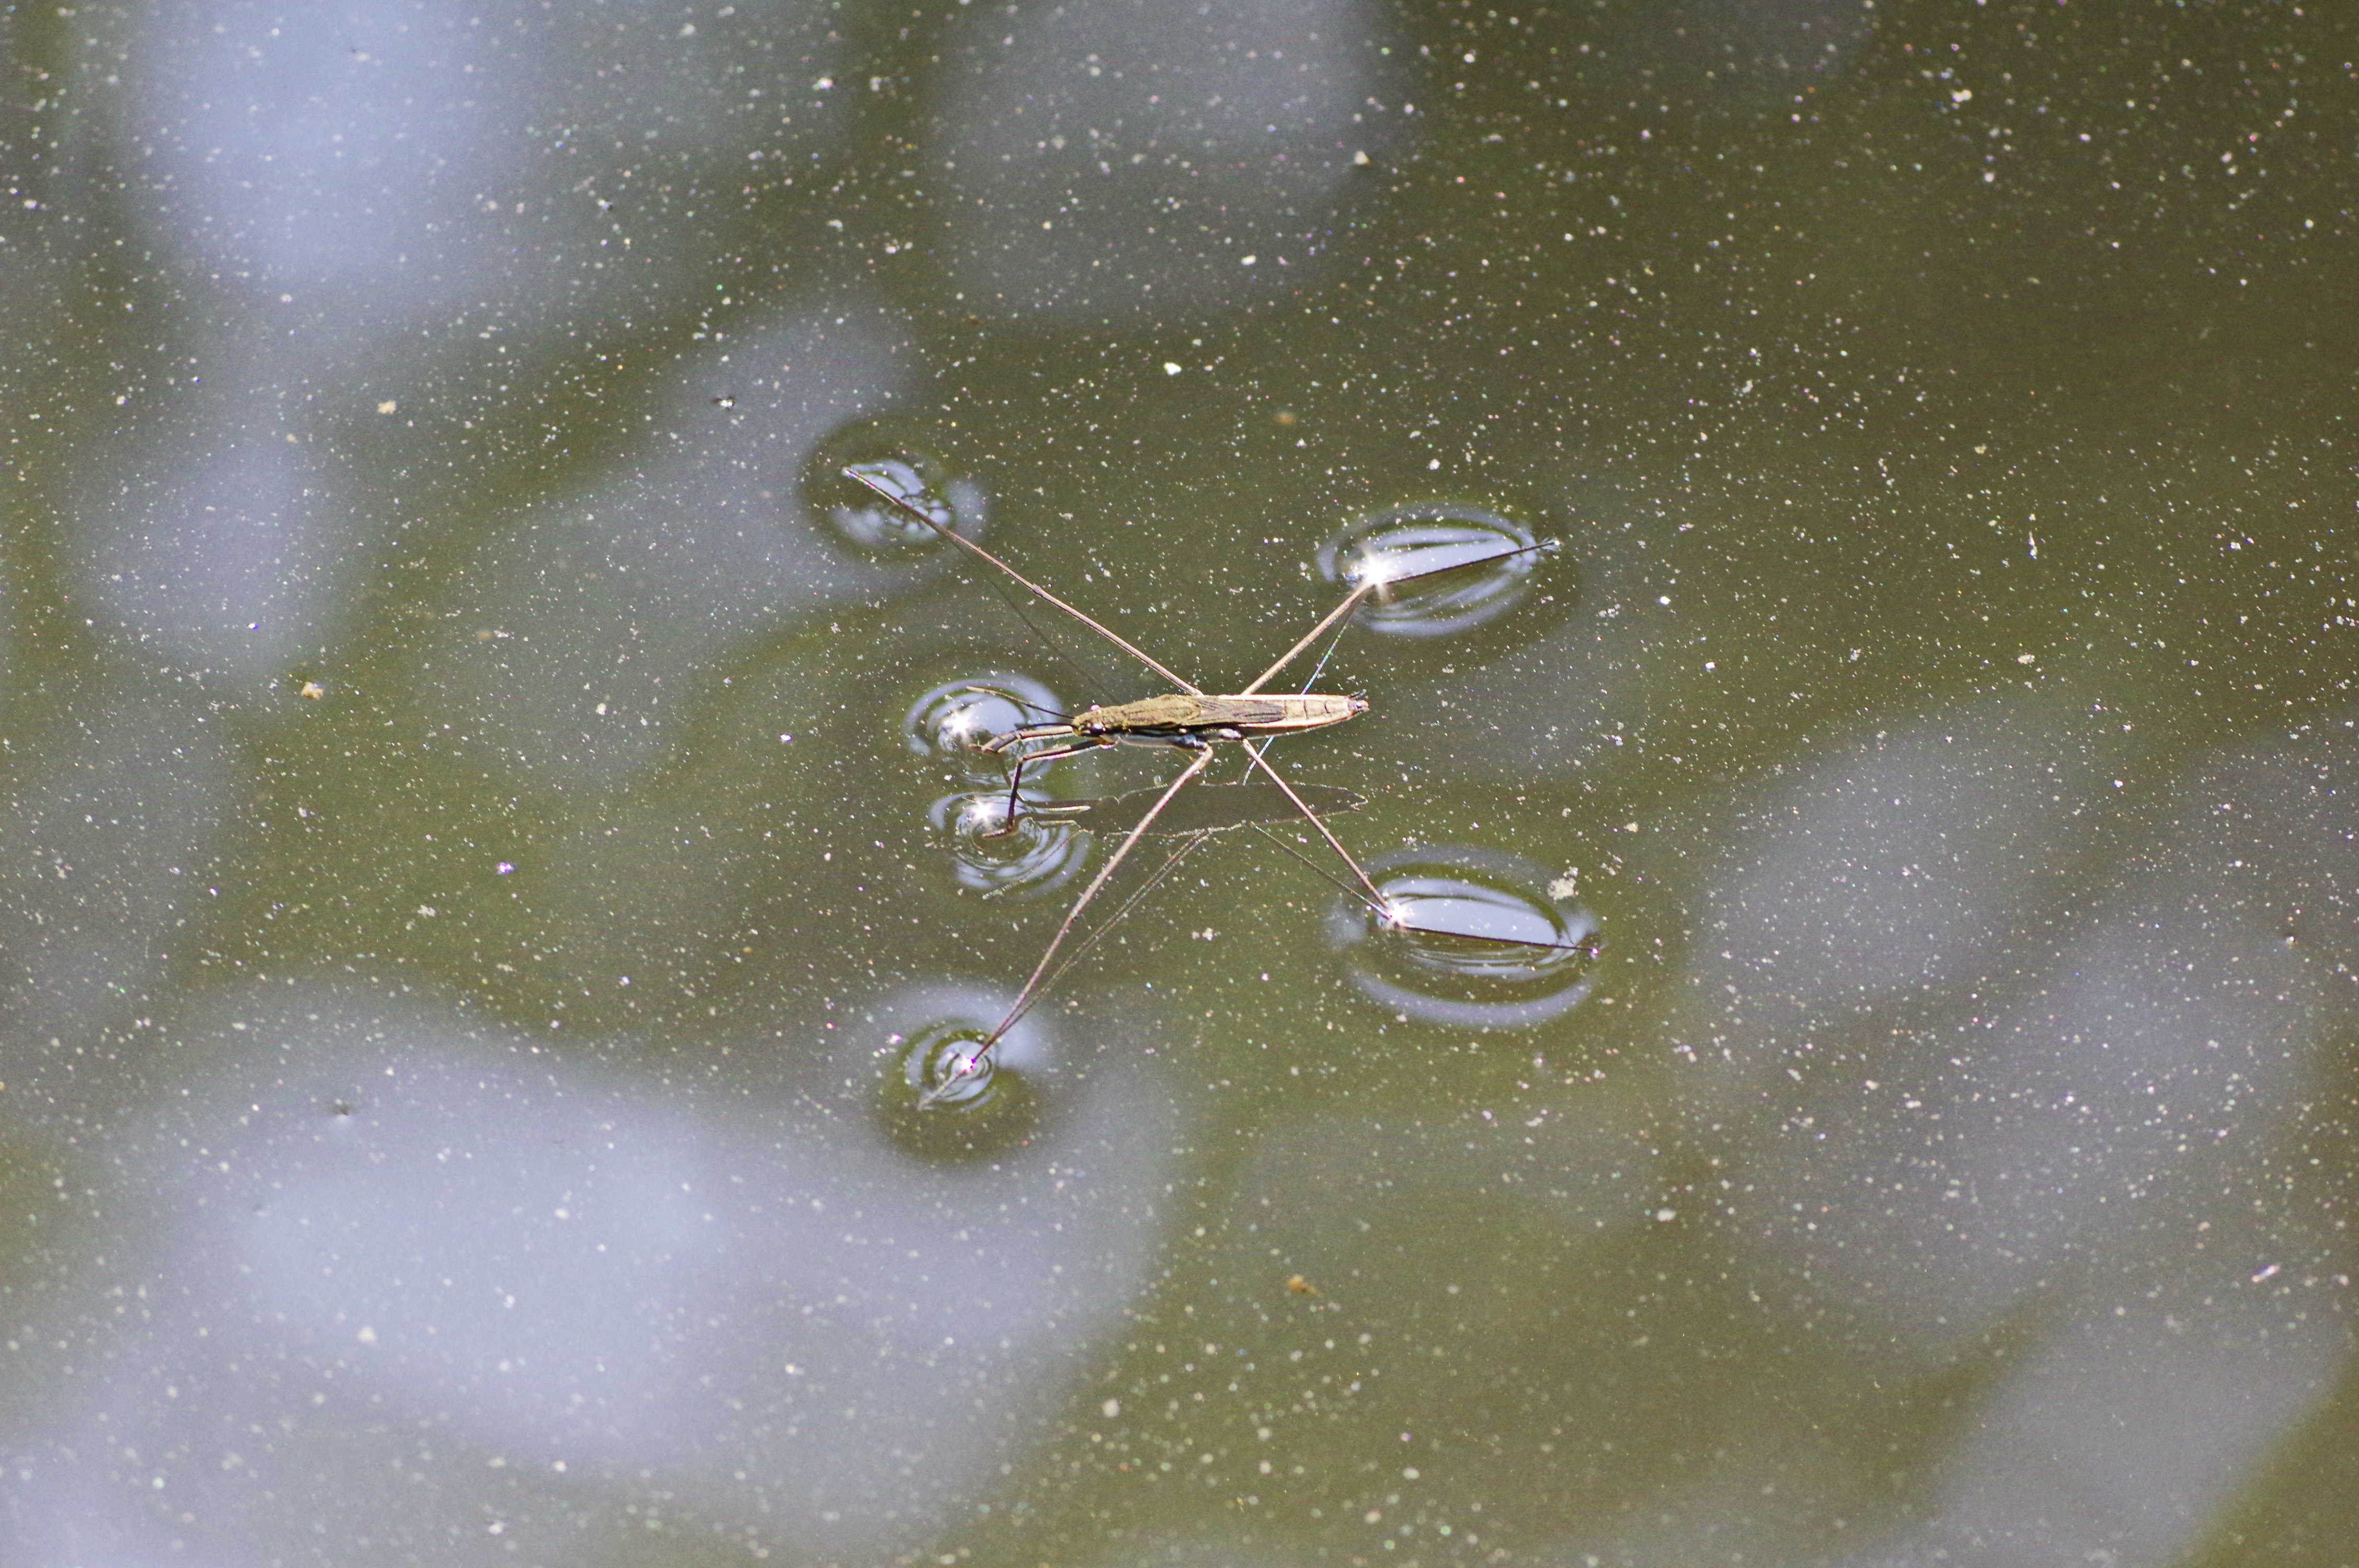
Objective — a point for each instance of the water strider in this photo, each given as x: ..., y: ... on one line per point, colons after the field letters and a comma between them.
x: 1188, y: 719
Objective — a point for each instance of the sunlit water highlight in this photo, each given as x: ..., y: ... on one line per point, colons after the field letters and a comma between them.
x: 1495, y: 557
x: 1035, y: 855
x: 934, y: 1106
x: 951, y: 720
x: 911, y: 470
x: 1476, y: 940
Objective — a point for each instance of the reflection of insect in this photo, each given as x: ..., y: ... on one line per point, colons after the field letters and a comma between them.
x: 1207, y: 808
x: 1190, y: 719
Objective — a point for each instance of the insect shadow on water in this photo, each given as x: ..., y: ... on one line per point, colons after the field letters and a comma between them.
x: 1188, y: 720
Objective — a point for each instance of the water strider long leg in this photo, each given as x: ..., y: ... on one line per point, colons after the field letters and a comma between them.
x: 1325, y: 832
x: 1332, y: 618
x: 1351, y: 603
x: 1391, y: 916
x: 1253, y: 758
x: 1371, y: 584
x: 895, y: 498
x: 1188, y: 846
x: 980, y: 1058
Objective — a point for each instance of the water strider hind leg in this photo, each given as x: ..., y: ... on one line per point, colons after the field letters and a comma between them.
x: 978, y: 1061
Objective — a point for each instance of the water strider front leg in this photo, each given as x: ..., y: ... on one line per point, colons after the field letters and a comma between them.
x: 1016, y: 776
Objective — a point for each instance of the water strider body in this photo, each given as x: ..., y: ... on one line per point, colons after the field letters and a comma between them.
x: 1185, y: 719
x: 1176, y: 718
x: 1190, y: 719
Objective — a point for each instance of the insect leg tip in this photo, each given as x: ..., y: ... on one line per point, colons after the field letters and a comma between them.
x: 961, y: 1071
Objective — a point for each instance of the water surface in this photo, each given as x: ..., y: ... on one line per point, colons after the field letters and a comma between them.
x: 488, y: 873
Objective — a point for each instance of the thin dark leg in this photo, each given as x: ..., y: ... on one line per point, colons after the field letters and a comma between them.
x: 1352, y: 600
x: 1375, y: 898
x: 1591, y: 946
x: 1016, y: 776
x: 1188, y: 846
x: 971, y: 547
x: 977, y: 1062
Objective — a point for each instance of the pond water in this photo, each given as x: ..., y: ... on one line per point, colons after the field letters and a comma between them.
x: 502, y: 840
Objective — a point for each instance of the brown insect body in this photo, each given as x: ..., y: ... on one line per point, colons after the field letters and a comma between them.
x: 1188, y: 719
x: 1178, y: 716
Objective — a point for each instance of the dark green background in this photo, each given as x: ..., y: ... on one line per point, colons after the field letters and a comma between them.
x: 1885, y: 370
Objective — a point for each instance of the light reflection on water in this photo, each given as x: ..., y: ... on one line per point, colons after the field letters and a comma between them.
x: 952, y: 719
x: 1476, y: 939
x: 1472, y: 563
x: 1032, y: 854
x: 937, y: 1102
x: 910, y: 469
x: 1970, y: 831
